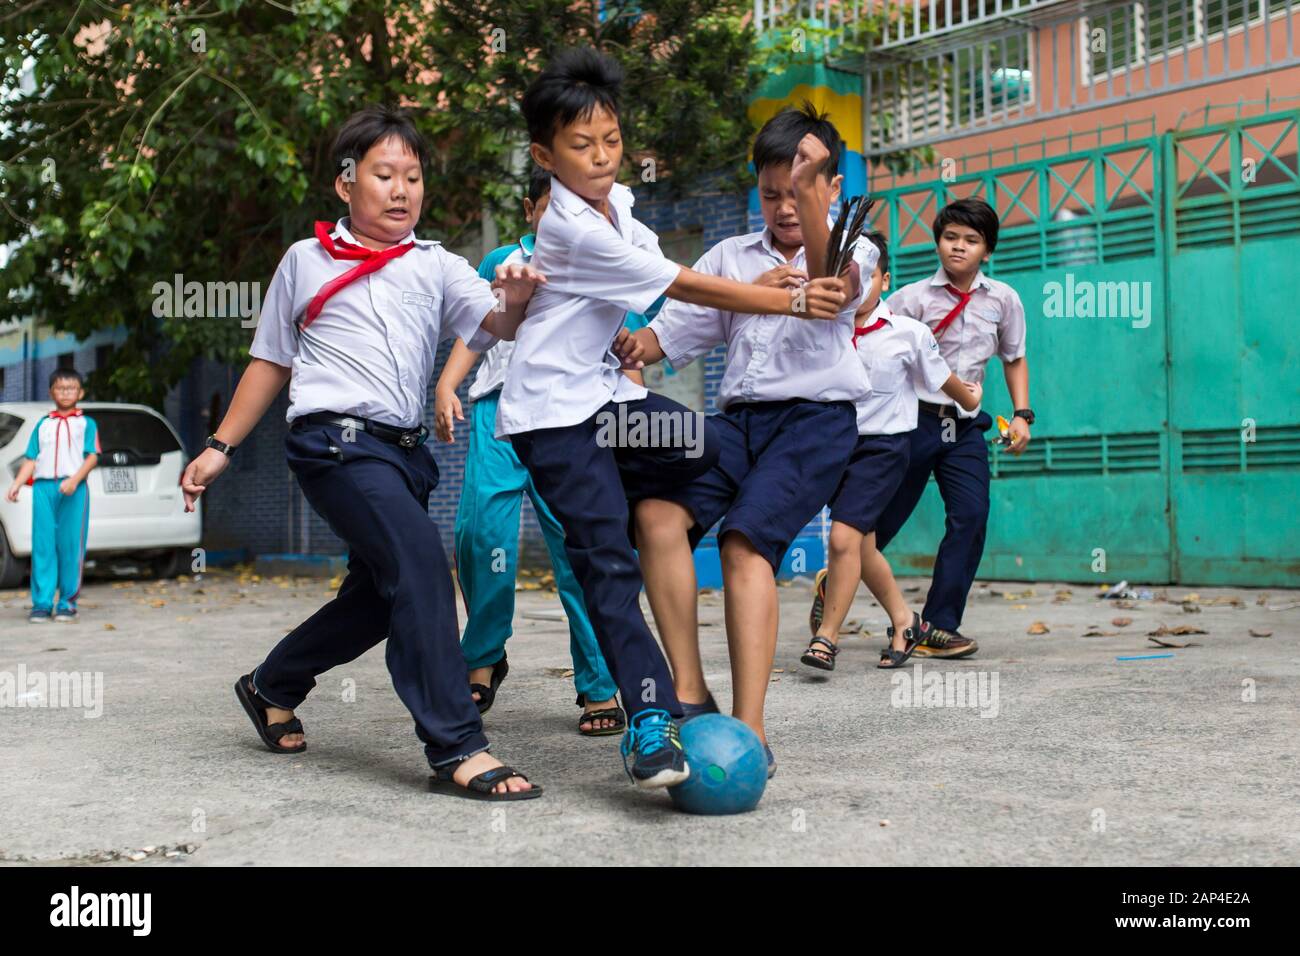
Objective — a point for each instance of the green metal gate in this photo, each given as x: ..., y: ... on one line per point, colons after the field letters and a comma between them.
x: 1161, y: 280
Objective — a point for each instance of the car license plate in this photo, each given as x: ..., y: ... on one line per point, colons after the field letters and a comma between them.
x: 119, y: 481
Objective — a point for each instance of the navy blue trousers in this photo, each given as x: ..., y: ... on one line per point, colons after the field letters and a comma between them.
x: 588, y: 485
x: 375, y: 497
x: 961, y: 469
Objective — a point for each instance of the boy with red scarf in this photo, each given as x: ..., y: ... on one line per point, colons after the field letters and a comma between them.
x: 352, y: 322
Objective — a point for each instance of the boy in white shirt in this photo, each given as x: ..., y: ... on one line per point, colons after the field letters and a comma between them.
x: 352, y: 322
x: 972, y: 317
x: 901, y: 357
x: 787, y: 426
x: 63, y: 449
x: 591, y: 438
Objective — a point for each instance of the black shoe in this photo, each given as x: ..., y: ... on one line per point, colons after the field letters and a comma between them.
x: 691, y: 711
x: 946, y: 644
x: 653, y: 742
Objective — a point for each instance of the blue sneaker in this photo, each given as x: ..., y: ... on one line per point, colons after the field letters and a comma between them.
x: 691, y: 711
x: 39, y: 616
x: 653, y: 741
x: 771, y: 762
x: 65, y: 614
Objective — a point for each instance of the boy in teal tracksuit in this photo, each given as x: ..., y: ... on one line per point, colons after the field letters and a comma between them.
x: 487, y: 519
x: 64, y: 447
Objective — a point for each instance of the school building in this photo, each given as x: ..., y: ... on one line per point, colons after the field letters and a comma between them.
x: 1143, y: 157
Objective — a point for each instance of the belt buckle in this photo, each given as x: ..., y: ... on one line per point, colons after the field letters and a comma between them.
x: 408, y: 439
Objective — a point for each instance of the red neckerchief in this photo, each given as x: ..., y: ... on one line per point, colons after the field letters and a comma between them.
x: 963, y: 299
x: 372, y: 260
x: 867, y: 330
x: 61, y: 422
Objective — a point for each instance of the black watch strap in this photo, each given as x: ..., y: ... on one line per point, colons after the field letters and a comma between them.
x: 214, y: 442
x: 1026, y: 413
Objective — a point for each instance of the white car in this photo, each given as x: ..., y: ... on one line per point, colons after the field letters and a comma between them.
x: 136, y: 506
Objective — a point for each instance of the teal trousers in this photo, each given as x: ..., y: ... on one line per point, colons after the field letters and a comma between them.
x: 487, y: 556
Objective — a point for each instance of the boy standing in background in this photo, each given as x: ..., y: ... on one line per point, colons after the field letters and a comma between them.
x: 64, y: 447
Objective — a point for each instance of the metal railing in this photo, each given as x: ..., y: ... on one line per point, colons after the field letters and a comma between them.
x: 1066, y: 58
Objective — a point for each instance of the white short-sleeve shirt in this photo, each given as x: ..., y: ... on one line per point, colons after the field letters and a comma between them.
x: 769, y: 357
x: 59, y: 444
x: 993, y: 322
x: 370, y: 352
x: 563, y: 369
x: 902, y: 359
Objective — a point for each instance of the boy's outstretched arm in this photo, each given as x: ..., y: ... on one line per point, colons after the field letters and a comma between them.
x: 638, y: 349
x: 513, y: 287
x: 446, y: 404
x: 257, y: 388
x: 819, y: 299
x: 965, y: 394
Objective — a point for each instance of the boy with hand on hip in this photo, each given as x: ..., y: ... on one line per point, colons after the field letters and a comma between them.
x: 352, y: 322
x: 576, y: 421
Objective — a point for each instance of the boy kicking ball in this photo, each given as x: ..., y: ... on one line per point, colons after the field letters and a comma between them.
x: 900, y: 355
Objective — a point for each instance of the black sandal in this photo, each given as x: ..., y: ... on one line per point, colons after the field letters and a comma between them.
x: 616, y: 714
x: 480, y: 787
x: 487, y: 695
x: 812, y: 657
x: 271, y: 734
x: 918, y: 632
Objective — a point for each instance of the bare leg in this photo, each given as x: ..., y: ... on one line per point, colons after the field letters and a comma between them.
x: 879, y: 578
x: 843, y: 570
x: 668, y: 569
x: 753, y: 617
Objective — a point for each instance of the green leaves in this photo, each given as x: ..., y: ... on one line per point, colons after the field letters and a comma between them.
x: 206, y: 159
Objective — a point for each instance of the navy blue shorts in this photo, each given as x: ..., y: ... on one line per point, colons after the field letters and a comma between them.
x: 876, y: 469
x: 778, y: 465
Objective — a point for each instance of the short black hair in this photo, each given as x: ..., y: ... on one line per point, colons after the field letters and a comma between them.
x: 777, y: 142
x: 374, y: 124
x: 574, y: 83
x: 973, y: 214
x: 878, y: 240
x: 539, y: 183
x: 62, y: 373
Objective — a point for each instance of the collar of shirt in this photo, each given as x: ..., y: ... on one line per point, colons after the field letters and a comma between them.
x: 526, y: 244
x: 343, y: 230
x: 881, y: 311
x: 621, y: 200
x: 941, y: 278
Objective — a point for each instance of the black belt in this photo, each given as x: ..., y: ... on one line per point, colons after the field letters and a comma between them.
x: 403, y: 437
x: 940, y: 411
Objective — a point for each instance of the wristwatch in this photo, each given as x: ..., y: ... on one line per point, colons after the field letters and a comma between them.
x: 214, y: 442
x: 1026, y: 413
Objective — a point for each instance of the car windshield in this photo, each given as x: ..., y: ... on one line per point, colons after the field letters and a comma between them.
x: 9, y: 425
x: 138, y: 432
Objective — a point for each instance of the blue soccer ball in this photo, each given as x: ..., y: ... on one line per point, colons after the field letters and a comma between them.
x: 728, y: 767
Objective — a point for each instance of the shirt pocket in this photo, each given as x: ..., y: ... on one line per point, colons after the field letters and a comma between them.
x: 982, y: 337
x: 888, y: 375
